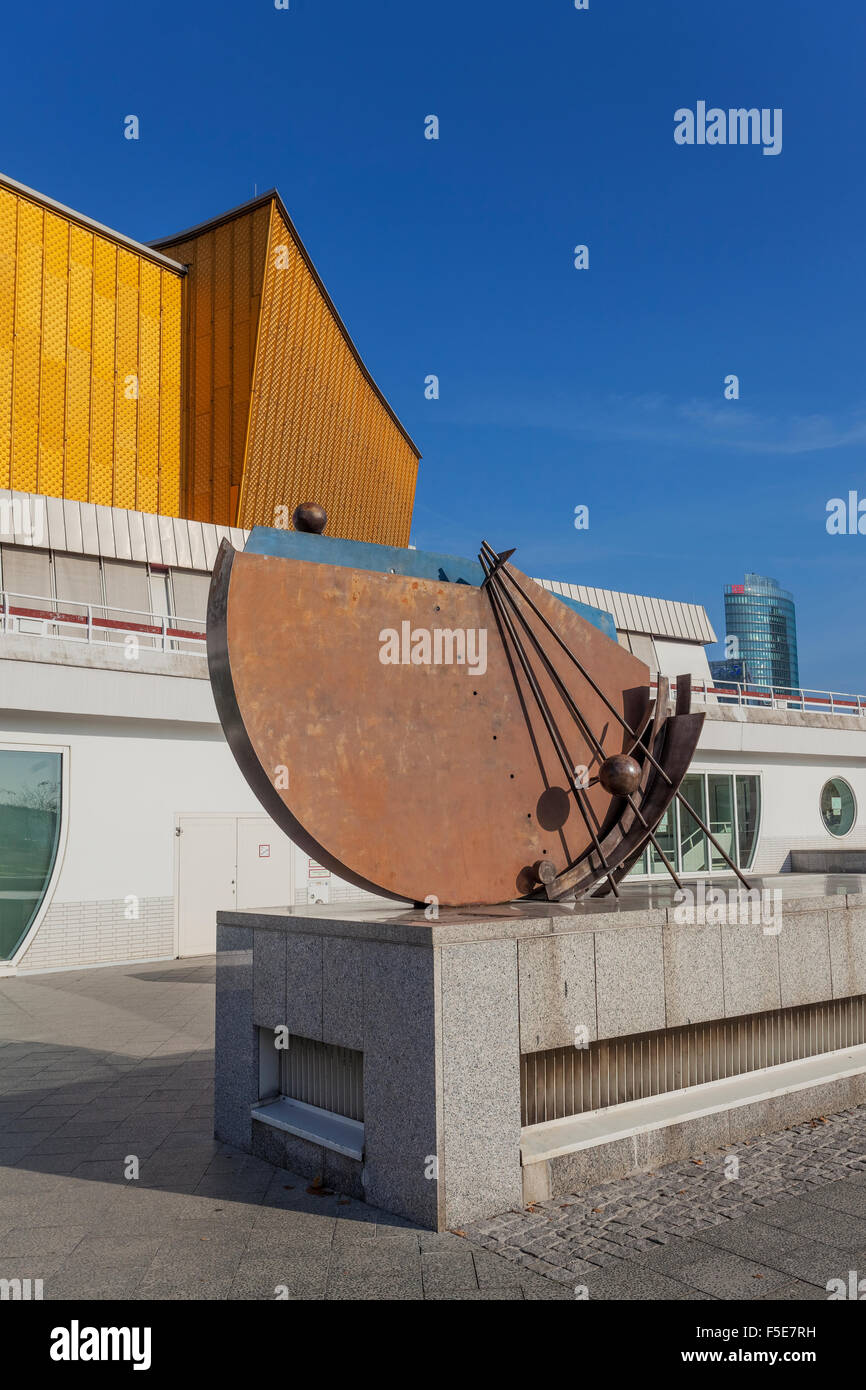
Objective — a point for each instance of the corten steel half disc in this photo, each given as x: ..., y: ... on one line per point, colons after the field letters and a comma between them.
x: 417, y: 779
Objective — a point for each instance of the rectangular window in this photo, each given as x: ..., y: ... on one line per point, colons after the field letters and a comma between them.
x: 77, y: 584
x: 190, y: 594
x: 160, y: 601
x: 693, y: 842
x: 748, y: 817
x: 127, y: 591
x: 666, y: 834
x: 720, y: 795
x: 27, y: 581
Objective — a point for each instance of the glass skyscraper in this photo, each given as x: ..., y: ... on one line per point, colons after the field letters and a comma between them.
x: 760, y: 615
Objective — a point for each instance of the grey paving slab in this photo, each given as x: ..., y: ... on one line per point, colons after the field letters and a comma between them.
x: 196, y: 1287
x: 846, y: 1195
x: 103, y: 1284
x: 36, y: 1241
x: 810, y: 1262
x: 276, y: 1277
x: 795, y: 1292
x: 313, y: 1240
x: 492, y: 1272
x: 378, y: 1290
x: 439, y: 1240
x: 445, y: 1270
x: 811, y: 1221
x: 506, y: 1295
x: 636, y: 1282
x: 536, y: 1289
x: 725, y: 1275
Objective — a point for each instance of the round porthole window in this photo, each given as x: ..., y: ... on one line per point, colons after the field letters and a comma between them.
x: 838, y: 807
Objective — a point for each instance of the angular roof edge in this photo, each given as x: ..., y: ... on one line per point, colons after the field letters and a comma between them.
x: 642, y: 613
x: 139, y: 247
x: 272, y: 195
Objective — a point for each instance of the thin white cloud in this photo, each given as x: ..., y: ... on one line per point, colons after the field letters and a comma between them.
x: 653, y: 418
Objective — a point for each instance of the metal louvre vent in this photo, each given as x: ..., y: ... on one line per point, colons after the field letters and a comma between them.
x: 324, y: 1075
x: 569, y: 1080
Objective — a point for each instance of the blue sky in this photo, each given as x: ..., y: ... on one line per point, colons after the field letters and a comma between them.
x: 558, y: 387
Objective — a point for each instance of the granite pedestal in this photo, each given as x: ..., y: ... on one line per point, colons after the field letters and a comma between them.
x: 441, y: 1012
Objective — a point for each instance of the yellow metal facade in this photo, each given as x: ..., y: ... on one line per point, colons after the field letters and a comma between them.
x: 279, y: 407
x: 226, y: 269
x: 319, y: 430
x: 212, y: 379
x: 90, y: 363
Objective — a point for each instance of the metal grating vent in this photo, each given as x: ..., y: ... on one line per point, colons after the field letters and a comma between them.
x: 569, y: 1080
x: 324, y: 1075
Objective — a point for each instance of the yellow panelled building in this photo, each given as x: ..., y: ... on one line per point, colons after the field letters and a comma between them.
x: 206, y: 376
x: 280, y: 406
x: 90, y: 360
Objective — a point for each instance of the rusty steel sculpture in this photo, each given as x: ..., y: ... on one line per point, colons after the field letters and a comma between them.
x: 434, y: 739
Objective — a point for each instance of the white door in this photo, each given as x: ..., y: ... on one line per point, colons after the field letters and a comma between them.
x: 265, y: 876
x: 207, y: 874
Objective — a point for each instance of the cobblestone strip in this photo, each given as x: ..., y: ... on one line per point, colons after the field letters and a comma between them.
x: 628, y: 1218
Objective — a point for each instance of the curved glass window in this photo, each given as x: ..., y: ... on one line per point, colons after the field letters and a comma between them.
x: 838, y: 807
x: 30, y: 802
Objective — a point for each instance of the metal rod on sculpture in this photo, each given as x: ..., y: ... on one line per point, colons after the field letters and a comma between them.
x: 706, y: 831
x: 556, y: 738
x: 581, y: 668
x: 573, y: 708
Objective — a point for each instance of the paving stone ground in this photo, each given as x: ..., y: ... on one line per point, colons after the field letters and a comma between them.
x: 100, y: 1065
x: 776, y: 1217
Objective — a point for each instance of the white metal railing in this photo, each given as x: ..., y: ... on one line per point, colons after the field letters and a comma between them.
x: 38, y: 616
x: 754, y: 693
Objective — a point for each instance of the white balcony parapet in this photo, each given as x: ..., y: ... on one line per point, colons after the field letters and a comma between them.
x: 73, y: 621
x: 754, y: 694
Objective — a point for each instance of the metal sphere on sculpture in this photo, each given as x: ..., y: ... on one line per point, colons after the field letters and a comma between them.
x: 309, y: 516
x: 620, y: 775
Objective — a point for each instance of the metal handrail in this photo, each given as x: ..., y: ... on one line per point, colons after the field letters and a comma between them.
x: 778, y: 697
x: 168, y: 629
